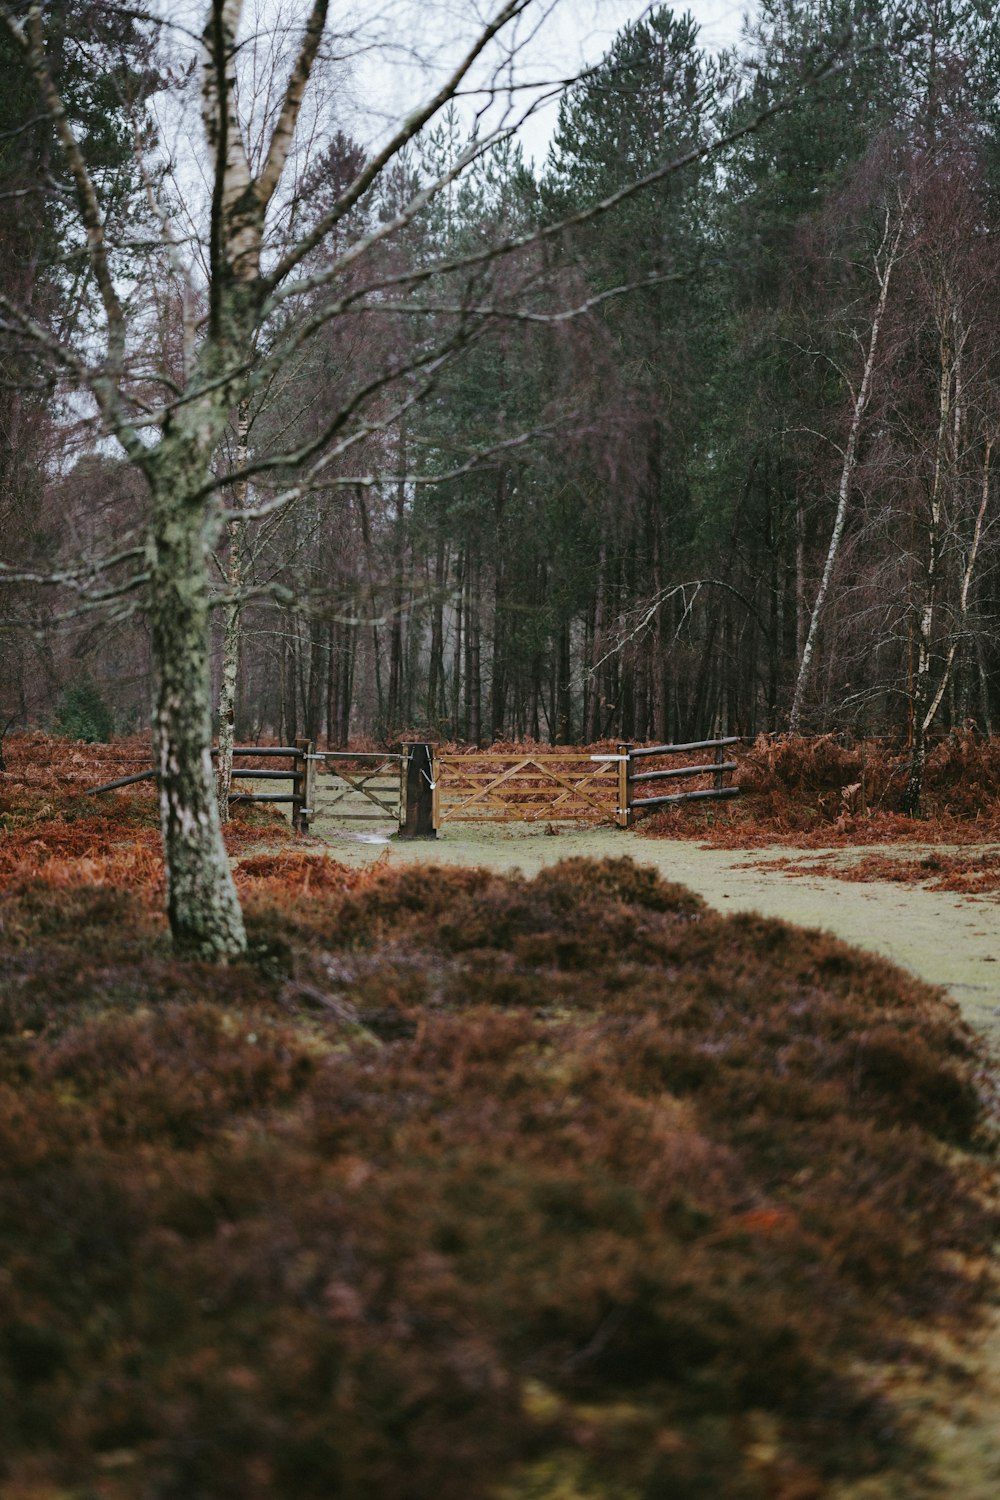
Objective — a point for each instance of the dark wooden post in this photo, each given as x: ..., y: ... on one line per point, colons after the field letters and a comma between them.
x: 623, y: 816
x: 720, y: 776
x: 418, y: 771
x: 303, y: 783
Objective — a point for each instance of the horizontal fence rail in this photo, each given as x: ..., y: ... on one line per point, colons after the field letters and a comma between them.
x: 298, y: 775
x: 718, y: 768
x: 638, y: 752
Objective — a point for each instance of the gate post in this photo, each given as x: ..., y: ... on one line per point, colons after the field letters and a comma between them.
x: 623, y: 814
x: 304, y: 784
x: 418, y: 787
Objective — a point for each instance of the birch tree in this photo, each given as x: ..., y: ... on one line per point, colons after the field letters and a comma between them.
x: 252, y: 287
x: 884, y: 264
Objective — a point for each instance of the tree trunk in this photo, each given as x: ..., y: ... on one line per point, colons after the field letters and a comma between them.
x: 564, y: 703
x: 437, y: 695
x: 202, y: 905
x: 473, y: 679
x: 232, y: 636
x: 232, y: 630
x: 350, y: 654
x: 332, y: 684
x: 850, y: 455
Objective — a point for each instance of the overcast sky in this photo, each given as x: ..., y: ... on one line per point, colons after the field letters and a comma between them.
x: 395, y: 54
x: 584, y: 29
x: 558, y: 39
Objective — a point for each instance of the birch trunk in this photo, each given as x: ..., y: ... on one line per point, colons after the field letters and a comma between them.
x: 949, y: 422
x: 232, y: 630
x: 202, y: 905
x: 232, y: 643
x: 846, y: 477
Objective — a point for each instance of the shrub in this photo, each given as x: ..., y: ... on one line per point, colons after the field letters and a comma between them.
x: 82, y: 713
x: 489, y: 1188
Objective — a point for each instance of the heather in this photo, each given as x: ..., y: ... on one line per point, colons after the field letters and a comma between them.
x: 466, y: 1185
x: 815, y: 791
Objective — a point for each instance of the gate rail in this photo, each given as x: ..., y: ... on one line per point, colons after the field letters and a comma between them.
x: 718, y: 768
x: 377, y: 781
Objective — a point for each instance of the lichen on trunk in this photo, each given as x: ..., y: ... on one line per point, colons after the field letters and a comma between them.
x: 202, y: 904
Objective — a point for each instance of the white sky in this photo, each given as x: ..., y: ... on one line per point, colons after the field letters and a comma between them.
x: 583, y: 30
x: 396, y: 54
x: 415, y: 42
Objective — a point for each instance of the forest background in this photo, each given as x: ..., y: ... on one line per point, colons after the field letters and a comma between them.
x: 756, y: 490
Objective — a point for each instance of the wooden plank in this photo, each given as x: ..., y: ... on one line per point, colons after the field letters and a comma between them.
x: 266, y: 797
x: 524, y: 812
x: 262, y: 750
x: 330, y: 809
x: 726, y: 791
x: 709, y: 770
x: 603, y: 773
x: 112, y: 786
x: 540, y: 753
x: 364, y: 817
x: 644, y: 750
x: 386, y: 757
x: 623, y: 812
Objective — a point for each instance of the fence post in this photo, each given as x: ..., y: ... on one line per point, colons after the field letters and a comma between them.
x: 720, y: 776
x: 303, y: 784
x: 623, y: 813
x: 418, y: 787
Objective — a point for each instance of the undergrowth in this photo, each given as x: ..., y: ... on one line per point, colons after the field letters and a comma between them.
x: 463, y: 1186
x: 820, y: 791
x: 965, y: 873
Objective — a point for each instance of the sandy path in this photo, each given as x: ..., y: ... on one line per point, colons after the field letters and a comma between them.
x: 946, y: 939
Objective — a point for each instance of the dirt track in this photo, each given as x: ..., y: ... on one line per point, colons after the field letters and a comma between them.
x: 946, y: 939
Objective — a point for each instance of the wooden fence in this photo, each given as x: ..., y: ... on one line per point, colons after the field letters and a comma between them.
x: 509, y: 786
x: 506, y: 787
x: 422, y: 788
x: 717, y: 769
x: 297, y: 776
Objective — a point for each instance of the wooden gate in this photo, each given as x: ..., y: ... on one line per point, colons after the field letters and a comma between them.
x: 355, y: 786
x: 509, y: 787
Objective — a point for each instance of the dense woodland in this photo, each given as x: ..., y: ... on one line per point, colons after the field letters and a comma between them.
x: 440, y: 1183
x: 748, y: 483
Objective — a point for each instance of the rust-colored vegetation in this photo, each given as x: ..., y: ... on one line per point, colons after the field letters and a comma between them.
x: 967, y: 873
x: 464, y: 1186
x: 54, y: 832
x: 821, y: 791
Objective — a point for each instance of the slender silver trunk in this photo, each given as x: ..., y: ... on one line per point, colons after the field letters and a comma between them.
x: 961, y: 631
x: 232, y: 642
x: 850, y: 454
x: 232, y: 630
